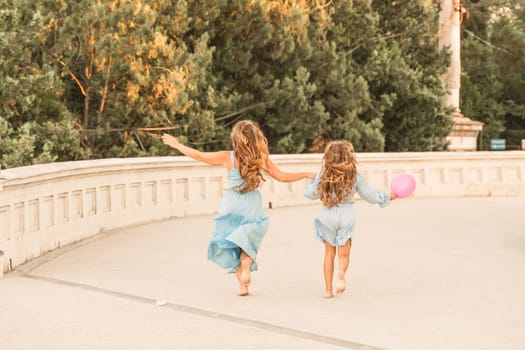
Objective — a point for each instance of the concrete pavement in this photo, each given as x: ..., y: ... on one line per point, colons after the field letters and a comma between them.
x: 424, y: 274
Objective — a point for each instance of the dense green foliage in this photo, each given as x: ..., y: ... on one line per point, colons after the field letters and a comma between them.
x: 78, y: 80
x: 35, y: 124
x: 493, y: 74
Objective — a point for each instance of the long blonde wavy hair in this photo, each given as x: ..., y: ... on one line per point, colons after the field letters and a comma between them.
x: 250, y: 147
x: 339, y: 173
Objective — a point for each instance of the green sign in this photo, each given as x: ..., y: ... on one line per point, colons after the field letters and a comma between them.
x: 497, y: 144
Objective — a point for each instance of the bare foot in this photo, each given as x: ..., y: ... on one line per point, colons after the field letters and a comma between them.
x: 328, y: 294
x: 244, y: 290
x: 243, y: 286
x: 341, y: 285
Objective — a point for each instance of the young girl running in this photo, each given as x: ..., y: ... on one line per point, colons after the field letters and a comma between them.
x: 336, y: 185
x: 241, y: 222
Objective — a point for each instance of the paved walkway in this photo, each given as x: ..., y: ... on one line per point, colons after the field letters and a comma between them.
x: 425, y: 274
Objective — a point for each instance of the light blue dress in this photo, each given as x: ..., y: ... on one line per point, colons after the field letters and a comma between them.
x: 336, y: 225
x: 240, y: 224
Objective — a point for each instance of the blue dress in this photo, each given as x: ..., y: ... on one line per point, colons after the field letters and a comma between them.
x: 240, y: 224
x: 336, y: 225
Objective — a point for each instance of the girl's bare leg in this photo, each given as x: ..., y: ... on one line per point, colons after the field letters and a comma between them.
x: 243, y: 286
x: 328, y: 267
x: 245, y: 273
x: 344, y: 261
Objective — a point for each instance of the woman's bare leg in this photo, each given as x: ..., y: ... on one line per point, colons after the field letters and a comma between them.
x: 344, y: 261
x: 328, y: 267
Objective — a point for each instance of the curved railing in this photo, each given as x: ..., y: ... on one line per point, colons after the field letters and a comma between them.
x: 43, y: 207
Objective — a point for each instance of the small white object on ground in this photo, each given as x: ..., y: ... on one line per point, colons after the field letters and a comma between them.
x: 161, y: 302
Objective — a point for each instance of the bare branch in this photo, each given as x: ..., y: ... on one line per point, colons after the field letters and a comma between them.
x: 239, y: 111
x: 105, y: 91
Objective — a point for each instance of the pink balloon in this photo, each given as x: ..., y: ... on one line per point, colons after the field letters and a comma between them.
x: 403, y: 185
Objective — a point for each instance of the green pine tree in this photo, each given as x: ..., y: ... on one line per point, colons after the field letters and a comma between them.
x: 35, y: 125
x: 405, y: 70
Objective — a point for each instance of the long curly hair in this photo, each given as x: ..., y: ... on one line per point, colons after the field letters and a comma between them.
x: 339, y: 173
x: 250, y: 147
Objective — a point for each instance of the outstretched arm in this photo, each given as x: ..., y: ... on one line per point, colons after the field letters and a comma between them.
x: 371, y: 195
x: 282, y: 176
x: 211, y: 158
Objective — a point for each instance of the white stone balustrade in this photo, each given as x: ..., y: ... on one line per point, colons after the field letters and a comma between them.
x: 47, y: 206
